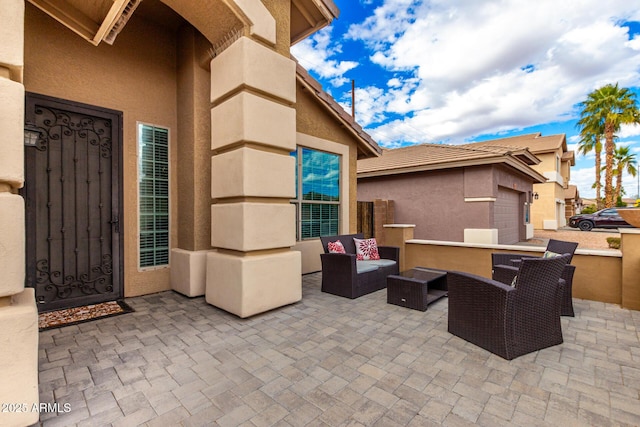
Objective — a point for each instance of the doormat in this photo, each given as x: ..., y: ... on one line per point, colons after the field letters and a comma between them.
x: 73, y: 316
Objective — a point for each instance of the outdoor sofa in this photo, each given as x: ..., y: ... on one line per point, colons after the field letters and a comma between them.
x: 344, y: 276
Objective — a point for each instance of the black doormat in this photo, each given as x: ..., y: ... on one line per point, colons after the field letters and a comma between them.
x: 73, y: 316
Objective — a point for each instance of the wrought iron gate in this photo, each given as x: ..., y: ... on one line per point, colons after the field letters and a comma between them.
x: 72, y: 194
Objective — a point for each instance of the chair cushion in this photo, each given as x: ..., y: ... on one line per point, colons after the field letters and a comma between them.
x: 381, y: 262
x: 336, y: 247
x: 366, y: 249
x: 549, y: 254
x: 365, y: 267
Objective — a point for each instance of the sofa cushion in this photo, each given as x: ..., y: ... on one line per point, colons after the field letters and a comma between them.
x: 366, y: 249
x: 381, y: 262
x: 549, y: 254
x: 345, y: 239
x: 336, y: 247
x: 365, y: 267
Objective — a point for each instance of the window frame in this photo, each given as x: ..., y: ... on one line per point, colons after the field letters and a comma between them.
x: 139, y: 128
x: 298, y: 201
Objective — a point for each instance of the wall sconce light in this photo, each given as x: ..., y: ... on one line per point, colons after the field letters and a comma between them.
x: 536, y: 196
x: 31, y: 134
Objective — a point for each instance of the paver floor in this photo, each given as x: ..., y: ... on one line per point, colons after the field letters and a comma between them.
x: 331, y: 361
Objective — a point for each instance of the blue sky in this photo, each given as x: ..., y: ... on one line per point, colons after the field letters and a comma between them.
x: 458, y: 71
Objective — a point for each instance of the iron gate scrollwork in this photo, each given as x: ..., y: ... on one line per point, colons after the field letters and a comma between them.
x: 97, y: 282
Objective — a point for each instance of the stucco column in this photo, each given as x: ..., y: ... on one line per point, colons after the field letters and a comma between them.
x: 397, y: 235
x: 18, y: 313
x: 630, y: 247
x: 189, y: 259
x: 252, y: 180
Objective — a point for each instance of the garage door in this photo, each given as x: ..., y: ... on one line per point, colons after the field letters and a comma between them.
x: 507, y: 216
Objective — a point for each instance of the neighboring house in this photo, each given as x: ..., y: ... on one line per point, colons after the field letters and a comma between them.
x: 572, y: 200
x: 456, y: 192
x: 163, y: 133
x: 548, y: 211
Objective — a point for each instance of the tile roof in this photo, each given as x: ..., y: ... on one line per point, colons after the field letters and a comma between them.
x: 571, y: 192
x: 367, y: 145
x: 535, y: 142
x: 442, y: 156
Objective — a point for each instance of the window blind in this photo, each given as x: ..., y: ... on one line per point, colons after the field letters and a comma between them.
x: 153, y: 181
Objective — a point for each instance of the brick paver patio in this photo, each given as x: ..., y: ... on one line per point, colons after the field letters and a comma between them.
x: 332, y: 361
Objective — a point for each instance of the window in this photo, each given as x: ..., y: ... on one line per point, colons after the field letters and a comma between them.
x: 317, y: 193
x: 153, y: 183
x: 609, y: 212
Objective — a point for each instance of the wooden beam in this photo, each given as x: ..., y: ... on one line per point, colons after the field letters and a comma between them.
x: 112, y: 16
x: 68, y: 16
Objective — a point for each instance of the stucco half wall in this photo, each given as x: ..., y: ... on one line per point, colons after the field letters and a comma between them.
x: 598, y: 275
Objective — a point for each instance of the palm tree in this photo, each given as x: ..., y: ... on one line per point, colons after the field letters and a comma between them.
x: 591, y: 141
x: 625, y: 162
x: 606, y: 109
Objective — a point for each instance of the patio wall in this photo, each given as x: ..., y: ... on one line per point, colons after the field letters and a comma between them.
x: 609, y: 276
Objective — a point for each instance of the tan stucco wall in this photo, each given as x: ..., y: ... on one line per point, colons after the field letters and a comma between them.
x: 281, y: 11
x: 598, y: 277
x: 545, y: 208
x: 194, y: 148
x: 566, y: 171
x: 547, y: 161
x: 631, y: 268
x: 137, y: 75
x: 200, y: 13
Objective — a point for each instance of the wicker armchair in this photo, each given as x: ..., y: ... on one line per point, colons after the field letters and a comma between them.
x: 505, y: 320
x: 505, y: 268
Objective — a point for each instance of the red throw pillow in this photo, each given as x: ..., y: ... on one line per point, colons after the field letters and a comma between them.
x: 366, y: 249
x: 336, y: 247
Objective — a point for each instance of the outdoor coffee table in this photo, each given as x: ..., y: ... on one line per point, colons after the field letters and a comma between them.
x: 416, y: 288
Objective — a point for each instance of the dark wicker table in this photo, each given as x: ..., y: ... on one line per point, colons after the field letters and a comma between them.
x: 417, y: 288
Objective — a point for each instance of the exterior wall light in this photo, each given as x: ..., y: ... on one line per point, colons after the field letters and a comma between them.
x: 31, y: 134
x: 536, y: 196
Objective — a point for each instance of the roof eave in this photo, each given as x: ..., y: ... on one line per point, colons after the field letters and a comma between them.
x: 325, y: 12
x: 508, y: 159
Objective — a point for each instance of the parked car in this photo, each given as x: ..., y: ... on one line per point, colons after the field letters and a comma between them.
x: 605, y: 218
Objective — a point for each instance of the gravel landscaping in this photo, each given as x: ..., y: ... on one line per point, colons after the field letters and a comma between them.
x: 594, y: 239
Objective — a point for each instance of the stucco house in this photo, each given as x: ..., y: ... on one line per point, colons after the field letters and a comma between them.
x: 548, y: 211
x: 161, y: 144
x: 460, y: 193
x: 572, y: 201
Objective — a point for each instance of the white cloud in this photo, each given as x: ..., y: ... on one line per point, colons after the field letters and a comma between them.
x: 628, y: 131
x: 314, y: 54
x: 483, y: 67
x: 584, y: 179
x: 451, y: 70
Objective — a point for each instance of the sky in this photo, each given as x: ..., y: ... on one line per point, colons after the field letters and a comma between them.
x: 457, y: 71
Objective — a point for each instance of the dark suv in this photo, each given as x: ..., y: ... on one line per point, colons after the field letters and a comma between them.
x: 606, y: 218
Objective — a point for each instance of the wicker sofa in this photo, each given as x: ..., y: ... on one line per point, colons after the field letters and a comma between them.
x: 342, y: 275
x: 505, y: 320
